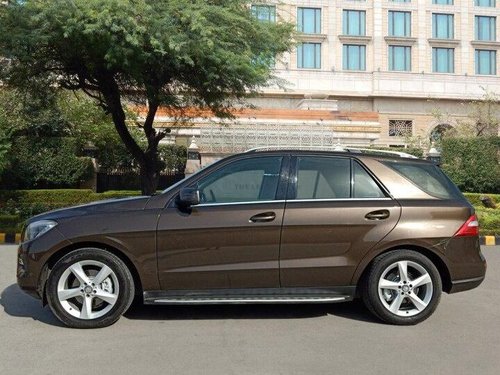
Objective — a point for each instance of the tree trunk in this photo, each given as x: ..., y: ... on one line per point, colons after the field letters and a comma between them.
x: 150, y: 172
x: 149, y: 162
x: 149, y: 179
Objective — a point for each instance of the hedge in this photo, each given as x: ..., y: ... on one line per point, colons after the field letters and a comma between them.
x: 18, y: 205
x: 10, y: 223
x: 473, y: 164
x: 27, y: 203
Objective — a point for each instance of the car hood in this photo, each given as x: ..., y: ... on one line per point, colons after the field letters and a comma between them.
x: 109, y: 205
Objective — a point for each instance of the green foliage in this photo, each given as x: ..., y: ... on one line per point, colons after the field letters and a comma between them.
x: 489, y: 220
x: 94, y: 129
x: 10, y: 223
x: 178, y: 54
x: 26, y: 203
x: 46, y: 162
x: 474, y: 198
x: 5, y: 145
x: 173, y: 156
x: 473, y: 163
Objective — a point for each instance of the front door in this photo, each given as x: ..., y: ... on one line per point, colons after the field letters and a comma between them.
x: 230, y: 240
x: 335, y: 213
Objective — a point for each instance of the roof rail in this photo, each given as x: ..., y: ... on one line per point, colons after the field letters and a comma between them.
x: 336, y: 148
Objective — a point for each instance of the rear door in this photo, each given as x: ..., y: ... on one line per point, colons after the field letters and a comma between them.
x: 335, y: 213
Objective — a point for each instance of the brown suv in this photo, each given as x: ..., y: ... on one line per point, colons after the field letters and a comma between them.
x: 263, y: 227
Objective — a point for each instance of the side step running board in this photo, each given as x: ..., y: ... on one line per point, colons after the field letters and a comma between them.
x: 248, y: 296
x: 253, y: 300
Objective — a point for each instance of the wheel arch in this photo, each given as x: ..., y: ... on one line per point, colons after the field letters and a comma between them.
x: 431, y: 255
x: 54, y: 258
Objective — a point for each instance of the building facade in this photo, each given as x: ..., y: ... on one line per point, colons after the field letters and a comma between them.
x: 371, y: 72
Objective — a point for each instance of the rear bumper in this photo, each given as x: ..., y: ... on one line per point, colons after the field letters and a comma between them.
x: 467, y: 284
x: 466, y: 263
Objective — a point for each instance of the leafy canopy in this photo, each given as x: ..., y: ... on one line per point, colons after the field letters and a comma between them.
x: 176, y: 52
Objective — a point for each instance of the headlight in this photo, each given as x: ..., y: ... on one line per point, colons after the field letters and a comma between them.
x: 38, y: 228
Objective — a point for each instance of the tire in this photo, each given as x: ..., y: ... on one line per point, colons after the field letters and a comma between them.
x: 77, y: 301
x: 402, y: 300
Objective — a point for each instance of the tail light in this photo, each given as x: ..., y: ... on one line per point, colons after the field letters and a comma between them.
x: 470, y: 228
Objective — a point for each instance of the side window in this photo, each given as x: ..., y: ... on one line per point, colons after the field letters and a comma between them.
x: 364, y: 185
x: 427, y: 177
x: 246, y: 180
x: 323, y: 178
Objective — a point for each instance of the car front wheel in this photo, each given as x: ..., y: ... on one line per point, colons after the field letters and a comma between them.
x: 89, y: 288
x: 402, y: 287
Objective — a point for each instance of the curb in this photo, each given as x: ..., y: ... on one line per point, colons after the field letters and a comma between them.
x: 10, y: 238
x: 489, y: 240
x: 15, y: 238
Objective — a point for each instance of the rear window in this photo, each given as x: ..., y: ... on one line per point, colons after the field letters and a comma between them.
x: 427, y: 177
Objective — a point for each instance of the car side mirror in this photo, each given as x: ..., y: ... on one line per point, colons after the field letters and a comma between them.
x: 189, y: 197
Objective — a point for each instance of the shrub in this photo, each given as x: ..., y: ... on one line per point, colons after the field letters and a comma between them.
x: 46, y: 162
x: 10, y: 223
x: 26, y: 203
x: 489, y: 220
x: 473, y: 163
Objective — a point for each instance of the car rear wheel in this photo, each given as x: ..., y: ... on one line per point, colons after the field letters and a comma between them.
x: 89, y: 288
x: 402, y: 287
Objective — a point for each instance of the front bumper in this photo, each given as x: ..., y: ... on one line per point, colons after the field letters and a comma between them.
x: 32, y: 260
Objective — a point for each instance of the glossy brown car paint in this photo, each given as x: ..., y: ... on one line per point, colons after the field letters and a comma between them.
x: 309, y: 244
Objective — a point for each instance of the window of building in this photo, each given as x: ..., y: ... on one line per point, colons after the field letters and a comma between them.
x: 485, y: 3
x: 486, y: 28
x: 399, y: 23
x: 264, y: 12
x: 486, y: 62
x: 442, y: 26
x: 354, y: 22
x: 309, y: 56
x: 400, y: 58
x: 354, y: 57
x: 443, y: 60
x: 400, y: 128
x: 401, y: 1
x: 443, y: 2
x: 309, y: 20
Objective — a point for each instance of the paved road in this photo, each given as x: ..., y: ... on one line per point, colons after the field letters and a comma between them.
x: 463, y: 337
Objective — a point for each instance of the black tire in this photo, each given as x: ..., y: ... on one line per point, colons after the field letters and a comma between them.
x: 125, y: 281
x: 373, y: 301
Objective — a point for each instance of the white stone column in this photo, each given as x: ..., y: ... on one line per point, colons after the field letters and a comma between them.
x: 193, y: 163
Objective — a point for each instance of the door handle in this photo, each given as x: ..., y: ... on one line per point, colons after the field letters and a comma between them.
x: 378, y: 215
x: 263, y: 218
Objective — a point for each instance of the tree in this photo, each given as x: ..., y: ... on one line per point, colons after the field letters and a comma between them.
x: 481, y: 118
x: 183, y: 55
